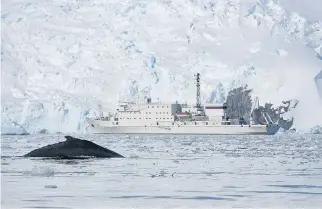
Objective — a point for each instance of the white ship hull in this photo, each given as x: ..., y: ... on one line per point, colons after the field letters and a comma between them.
x: 100, y: 128
x: 175, y: 118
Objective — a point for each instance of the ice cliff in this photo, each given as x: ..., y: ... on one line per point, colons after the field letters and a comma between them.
x: 63, y: 61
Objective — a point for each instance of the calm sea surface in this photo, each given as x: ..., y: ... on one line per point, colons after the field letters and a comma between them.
x: 281, y: 171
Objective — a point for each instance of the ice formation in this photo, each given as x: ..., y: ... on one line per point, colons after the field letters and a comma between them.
x: 318, y: 82
x: 64, y: 61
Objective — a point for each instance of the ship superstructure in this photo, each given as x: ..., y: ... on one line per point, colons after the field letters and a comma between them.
x: 174, y: 118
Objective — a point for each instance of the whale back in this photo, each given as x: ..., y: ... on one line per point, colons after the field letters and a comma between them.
x: 73, y: 147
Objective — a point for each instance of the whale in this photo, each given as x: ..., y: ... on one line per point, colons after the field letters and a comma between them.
x: 73, y: 148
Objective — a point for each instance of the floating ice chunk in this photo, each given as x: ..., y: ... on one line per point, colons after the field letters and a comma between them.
x: 51, y: 186
x: 9, y: 127
x: 5, y: 130
x: 316, y: 130
x: 133, y: 156
x: 42, y: 171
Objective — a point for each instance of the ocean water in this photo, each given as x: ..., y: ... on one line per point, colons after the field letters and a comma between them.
x: 281, y: 171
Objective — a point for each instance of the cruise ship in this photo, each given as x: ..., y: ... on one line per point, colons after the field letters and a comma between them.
x: 174, y: 118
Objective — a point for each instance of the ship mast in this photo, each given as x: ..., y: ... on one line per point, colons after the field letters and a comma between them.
x: 198, y: 100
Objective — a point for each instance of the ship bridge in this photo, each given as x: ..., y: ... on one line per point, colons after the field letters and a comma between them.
x: 147, y: 114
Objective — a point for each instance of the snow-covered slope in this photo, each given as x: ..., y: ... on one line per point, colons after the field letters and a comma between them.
x: 65, y: 60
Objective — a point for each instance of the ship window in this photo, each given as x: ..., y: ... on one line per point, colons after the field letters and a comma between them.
x: 117, y: 123
x: 206, y: 123
x: 157, y: 106
x: 146, y: 118
x: 140, y: 118
x: 150, y: 118
x: 152, y: 106
x: 134, y: 118
x: 162, y: 106
x: 160, y: 112
x: 172, y: 123
x: 148, y: 106
x: 163, y: 118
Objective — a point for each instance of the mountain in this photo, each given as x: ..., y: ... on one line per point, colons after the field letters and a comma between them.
x: 63, y: 61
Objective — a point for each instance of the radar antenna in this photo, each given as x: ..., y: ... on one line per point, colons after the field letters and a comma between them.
x: 198, y: 100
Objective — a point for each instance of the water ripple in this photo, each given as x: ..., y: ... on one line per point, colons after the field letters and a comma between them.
x: 168, y: 171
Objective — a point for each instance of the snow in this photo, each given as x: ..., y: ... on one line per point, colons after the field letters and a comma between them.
x: 308, y: 9
x: 63, y: 61
x: 318, y: 82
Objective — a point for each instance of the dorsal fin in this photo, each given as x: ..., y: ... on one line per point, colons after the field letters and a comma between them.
x: 69, y: 138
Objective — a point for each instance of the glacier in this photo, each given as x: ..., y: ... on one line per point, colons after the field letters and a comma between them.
x: 63, y: 61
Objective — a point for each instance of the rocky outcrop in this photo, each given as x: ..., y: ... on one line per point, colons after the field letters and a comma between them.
x: 276, y: 114
x: 239, y: 104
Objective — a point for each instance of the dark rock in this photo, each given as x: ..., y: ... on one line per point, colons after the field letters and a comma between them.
x: 73, y: 148
x: 239, y: 104
x: 275, y: 114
